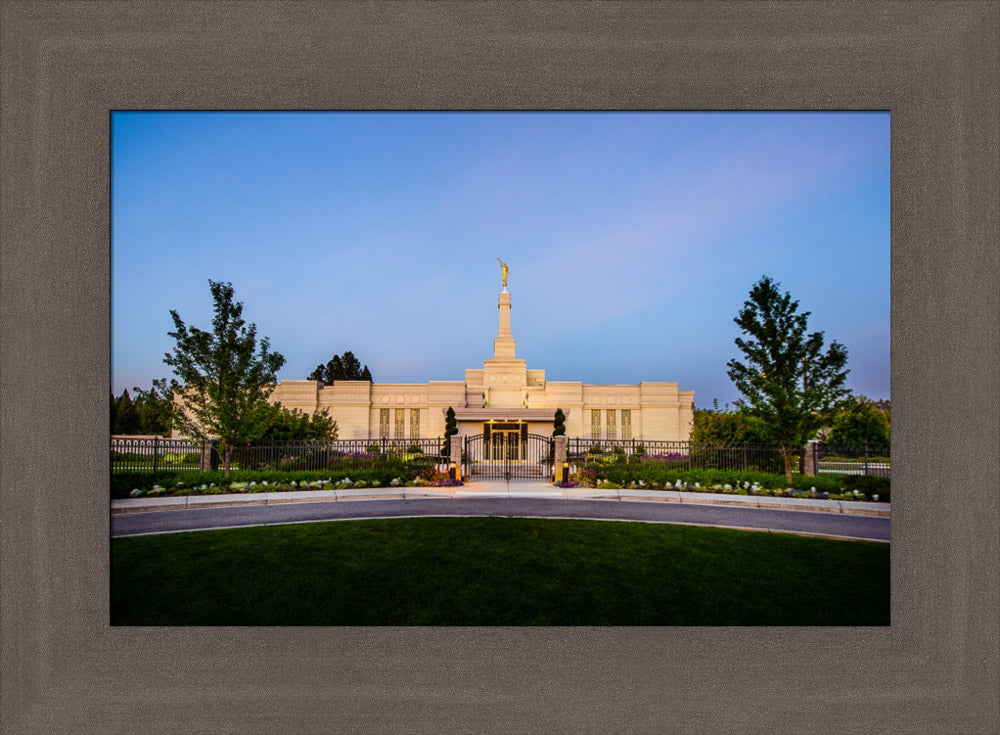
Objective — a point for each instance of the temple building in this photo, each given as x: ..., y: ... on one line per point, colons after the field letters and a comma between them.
x: 502, y: 396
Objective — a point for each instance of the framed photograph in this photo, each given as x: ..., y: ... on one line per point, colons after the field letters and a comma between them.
x: 66, y: 66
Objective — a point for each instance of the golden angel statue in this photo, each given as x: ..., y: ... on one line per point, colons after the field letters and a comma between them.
x: 503, y: 272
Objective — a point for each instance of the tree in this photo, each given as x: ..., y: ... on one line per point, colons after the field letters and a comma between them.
x: 559, y: 423
x: 726, y: 427
x: 126, y: 417
x: 341, y: 367
x: 859, y: 422
x: 787, y: 382
x: 225, y: 381
x: 154, y: 407
x: 450, y: 429
x: 294, y: 425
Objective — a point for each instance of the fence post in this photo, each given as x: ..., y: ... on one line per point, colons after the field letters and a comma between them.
x: 559, y: 459
x: 156, y: 453
x: 866, y: 457
x: 455, y: 449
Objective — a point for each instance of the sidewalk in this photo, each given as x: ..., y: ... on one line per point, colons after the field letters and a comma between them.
x: 497, y: 489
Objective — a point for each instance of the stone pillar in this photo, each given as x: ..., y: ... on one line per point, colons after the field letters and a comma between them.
x: 809, y: 459
x: 456, y: 453
x: 206, y: 456
x: 560, y: 458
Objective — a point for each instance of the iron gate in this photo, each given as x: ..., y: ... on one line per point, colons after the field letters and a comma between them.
x: 508, y: 455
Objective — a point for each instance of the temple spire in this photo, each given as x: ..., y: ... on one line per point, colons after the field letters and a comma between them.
x: 503, y: 345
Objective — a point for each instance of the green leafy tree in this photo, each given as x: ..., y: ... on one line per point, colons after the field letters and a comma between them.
x: 225, y: 381
x: 726, y: 427
x: 858, y: 422
x: 788, y: 382
x: 292, y: 424
x: 559, y: 423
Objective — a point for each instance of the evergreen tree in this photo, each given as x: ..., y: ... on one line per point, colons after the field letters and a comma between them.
x: 788, y: 383
x: 450, y: 429
x: 559, y: 423
x: 334, y: 370
x: 341, y: 367
x: 225, y: 381
x: 114, y: 414
x: 351, y: 366
x: 155, y: 408
x: 126, y: 415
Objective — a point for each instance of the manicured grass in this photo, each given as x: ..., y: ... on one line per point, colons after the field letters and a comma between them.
x: 496, y: 571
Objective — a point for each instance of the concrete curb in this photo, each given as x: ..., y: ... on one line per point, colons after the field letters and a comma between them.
x: 517, y: 490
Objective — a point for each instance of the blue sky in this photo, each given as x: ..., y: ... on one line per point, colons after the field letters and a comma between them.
x: 632, y: 238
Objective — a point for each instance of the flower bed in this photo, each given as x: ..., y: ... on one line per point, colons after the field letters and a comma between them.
x: 647, y: 477
x: 146, y: 484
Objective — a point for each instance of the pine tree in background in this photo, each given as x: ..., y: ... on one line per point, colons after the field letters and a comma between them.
x: 126, y: 417
x: 341, y: 367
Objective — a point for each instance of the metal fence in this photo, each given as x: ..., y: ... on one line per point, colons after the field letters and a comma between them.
x: 828, y: 459
x: 860, y: 459
x: 163, y: 454
x: 154, y: 454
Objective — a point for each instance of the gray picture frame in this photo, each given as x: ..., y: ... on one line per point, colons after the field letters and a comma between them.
x: 65, y: 65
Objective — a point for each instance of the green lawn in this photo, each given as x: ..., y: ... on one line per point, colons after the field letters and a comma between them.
x: 496, y: 571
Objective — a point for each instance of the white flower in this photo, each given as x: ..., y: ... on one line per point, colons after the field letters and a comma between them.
x: 727, y: 486
x: 855, y: 493
x: 136, y: 493
x: 697, y: 484
x: 746, y: 485
x: 874, y: 497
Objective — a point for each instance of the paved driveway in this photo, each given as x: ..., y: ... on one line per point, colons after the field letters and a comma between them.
x: 804, y: 522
